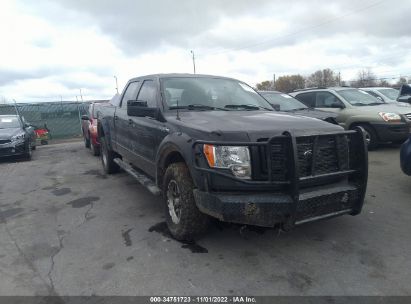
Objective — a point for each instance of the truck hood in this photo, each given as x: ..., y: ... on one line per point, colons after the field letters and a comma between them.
x: 254, y: 124
x: 8, y: 133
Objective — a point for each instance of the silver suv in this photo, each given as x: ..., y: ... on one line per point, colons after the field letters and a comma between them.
x: 382, y: 122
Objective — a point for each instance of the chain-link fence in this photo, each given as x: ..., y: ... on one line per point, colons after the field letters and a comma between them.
x: 63, y: 119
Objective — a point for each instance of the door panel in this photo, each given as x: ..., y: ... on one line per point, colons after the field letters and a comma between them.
x: 144, y: 130
x: 122, y: 136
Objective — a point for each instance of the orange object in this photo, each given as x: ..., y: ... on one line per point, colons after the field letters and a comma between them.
x: 209, y: 154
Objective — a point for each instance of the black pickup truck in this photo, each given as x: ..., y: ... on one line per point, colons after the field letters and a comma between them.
x: 213, y: 147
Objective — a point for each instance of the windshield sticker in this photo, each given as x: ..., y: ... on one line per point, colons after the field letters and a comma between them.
x: 286, y: 96
x: 246, y: 88
x: 6, y: 120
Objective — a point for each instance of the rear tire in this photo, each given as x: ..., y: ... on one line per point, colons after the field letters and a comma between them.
x: 107, y: 158
x: 183, y: 218
x: 95, y: 150
x: 86, y: 142
x: 28, y: 153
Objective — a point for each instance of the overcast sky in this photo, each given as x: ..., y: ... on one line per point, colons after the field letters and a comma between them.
x: 53, y: 48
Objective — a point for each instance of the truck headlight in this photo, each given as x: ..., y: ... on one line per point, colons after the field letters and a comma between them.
x: 390, y: 117
x: 16, y: 138
x: 237, y: 159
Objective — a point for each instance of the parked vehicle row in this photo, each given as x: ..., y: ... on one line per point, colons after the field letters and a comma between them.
x: 215, y: 148
x: 382, y: 122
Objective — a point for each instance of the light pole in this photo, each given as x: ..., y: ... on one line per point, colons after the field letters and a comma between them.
x: 194, y: 61
x: 115, y: 77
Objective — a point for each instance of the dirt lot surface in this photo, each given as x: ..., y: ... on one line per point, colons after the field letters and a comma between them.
x: 68, y: 229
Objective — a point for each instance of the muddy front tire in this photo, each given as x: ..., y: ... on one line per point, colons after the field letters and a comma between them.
x: 107, y: 158
x: 183, y: 218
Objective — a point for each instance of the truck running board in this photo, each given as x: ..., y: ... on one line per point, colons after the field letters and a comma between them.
x: 140, y: 177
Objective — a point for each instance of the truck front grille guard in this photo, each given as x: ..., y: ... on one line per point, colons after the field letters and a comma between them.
x: 357, y: 172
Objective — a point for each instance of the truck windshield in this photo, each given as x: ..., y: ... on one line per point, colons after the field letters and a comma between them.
x: 8, y: 122
x: 285, y: 101
x: 207, y: 93
x: 359, y: 97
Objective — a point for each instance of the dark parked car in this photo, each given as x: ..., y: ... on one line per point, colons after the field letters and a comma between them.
x: 17, y: 138
x: 405, y: 93
x: 213, y: 147
x: 405, y: 157
x: 286, y: 103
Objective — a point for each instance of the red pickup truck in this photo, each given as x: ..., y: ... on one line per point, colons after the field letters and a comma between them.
x: 89, y: 128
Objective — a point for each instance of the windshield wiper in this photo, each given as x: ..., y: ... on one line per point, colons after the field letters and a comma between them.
x: 298, y: 109
x: 375, y: 103
x: 245, y: 106
x: 197, y: 107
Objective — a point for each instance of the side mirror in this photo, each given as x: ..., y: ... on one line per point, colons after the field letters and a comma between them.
x: 276, y: 106
x: 337, y: 105
x: 406, y: 98
x: 84, y: 117
x: 26, y: 125
x: 380, y: 98
x: 139, y: 108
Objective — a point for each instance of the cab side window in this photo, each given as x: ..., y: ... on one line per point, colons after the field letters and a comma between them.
x: 327, y: 100
x: 130, y: 93
x: 148, y: 93
x: 307, y: 98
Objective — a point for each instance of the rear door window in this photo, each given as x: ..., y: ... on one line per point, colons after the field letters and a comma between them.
x: 326, y: 100
x: 307, y: 98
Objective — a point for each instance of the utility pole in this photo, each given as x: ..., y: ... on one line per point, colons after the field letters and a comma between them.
x: 273, y: 81
x: 194, y: 61
x: 76, y: 98
x: 81, y: 95
x: 115, y: 77
x: 339, y: 79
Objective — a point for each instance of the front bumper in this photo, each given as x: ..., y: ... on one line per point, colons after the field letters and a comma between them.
x: 297, y: 199
x: 392, y: 131
x: 13, y: 149
x: 269, y: 209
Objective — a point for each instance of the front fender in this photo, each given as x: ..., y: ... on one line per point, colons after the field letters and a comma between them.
x: 359, y: 119
x: 174, y: 143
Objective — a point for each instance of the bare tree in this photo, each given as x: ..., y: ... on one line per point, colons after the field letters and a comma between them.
x: 365, y: 78
x: 322, y: 78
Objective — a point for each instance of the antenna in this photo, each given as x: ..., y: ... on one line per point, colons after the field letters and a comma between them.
x: 178, y: 114
x: 16, y: 108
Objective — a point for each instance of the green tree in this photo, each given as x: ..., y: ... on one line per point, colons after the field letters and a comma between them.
x: 289, y: 83
x: 265, y: 85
